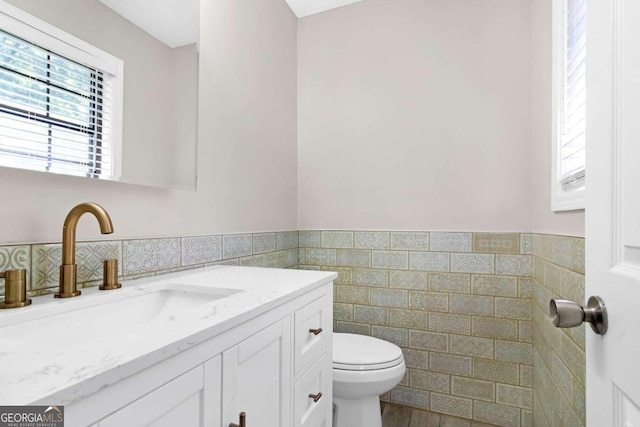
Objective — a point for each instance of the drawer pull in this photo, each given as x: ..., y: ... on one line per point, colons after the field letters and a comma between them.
x: 315, y: 331
x: 243, y: 421
x: 315, y: 397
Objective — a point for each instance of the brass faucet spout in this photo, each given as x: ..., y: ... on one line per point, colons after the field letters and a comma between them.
x: 68, y: 284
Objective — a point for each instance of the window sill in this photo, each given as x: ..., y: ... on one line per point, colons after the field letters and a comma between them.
x: 568, y: 202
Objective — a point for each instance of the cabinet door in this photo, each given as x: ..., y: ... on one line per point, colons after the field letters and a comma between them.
x: 190, y: 400
x: 256, y: 378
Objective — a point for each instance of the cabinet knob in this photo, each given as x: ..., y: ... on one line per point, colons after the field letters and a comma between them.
x: 243, y: 421
x: 315, y: 331
x: 315, y: 397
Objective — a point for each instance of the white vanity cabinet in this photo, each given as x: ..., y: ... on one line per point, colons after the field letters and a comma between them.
x: 313, y: 364
x: 271, y: 367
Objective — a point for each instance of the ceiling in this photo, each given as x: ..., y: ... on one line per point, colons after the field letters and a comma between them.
x: 174, y: 22
x: 303, y: 8
x: 177, y: 22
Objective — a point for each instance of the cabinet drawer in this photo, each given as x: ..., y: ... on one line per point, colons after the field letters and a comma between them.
x: 310, y: 343
x: 310, y: 413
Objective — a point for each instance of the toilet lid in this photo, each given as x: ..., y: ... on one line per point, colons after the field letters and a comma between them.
x: 362, y: 353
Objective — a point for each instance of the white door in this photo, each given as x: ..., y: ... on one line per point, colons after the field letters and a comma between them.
x: 613, y: 210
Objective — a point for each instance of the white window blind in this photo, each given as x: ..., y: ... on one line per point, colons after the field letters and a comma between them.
x: 55, y: 113
x: 573, y: 106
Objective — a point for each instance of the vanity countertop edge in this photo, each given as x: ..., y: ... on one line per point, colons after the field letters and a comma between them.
x: 38, y: 376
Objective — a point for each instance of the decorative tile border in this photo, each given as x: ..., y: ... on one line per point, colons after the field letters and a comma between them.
x: 264, y: 242
x: 237, y: 245
x: 147, y: 257
x: 13, y: 258
x: 414, y: 241
x: 46, y: 260
x: 372, y: 240
x: 201, y: 249
x: 337, y: 239
x: 286, y: 240
x: 450, y: 242
x: 496, y: 243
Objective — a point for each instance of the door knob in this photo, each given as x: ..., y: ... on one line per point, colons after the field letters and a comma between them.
x: 569, y: 314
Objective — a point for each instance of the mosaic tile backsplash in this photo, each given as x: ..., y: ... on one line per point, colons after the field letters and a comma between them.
x: 458, y: 304
x: 147, y: 257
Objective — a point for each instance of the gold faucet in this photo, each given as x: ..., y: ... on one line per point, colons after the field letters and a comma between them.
x: 68, y: 269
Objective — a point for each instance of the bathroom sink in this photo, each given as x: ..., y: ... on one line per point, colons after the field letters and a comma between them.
x: 109, y: 314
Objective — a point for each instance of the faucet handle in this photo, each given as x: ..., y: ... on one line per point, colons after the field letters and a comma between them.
x: 110, y: 275
x: 15, y: 289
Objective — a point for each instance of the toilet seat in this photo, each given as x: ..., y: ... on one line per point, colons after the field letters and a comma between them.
x: 353, y: 352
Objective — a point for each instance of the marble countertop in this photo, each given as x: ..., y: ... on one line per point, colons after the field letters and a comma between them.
x: 32, y: 372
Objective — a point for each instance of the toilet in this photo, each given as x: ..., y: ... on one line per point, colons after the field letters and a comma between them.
x: 363, y: 368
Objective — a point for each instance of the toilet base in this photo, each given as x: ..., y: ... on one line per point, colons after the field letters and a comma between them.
x: 363, y: 412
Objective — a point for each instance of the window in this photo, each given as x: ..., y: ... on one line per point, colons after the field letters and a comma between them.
x: 569, y: 105
x: 60, y: 101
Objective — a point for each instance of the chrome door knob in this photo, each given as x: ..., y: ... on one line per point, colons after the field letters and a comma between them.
x: 569, y: 314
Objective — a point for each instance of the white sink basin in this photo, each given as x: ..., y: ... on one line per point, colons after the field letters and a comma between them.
x: 106, y: 314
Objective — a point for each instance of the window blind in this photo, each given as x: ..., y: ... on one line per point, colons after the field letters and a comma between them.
x: 572, y: 140
x: 55, y: 113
